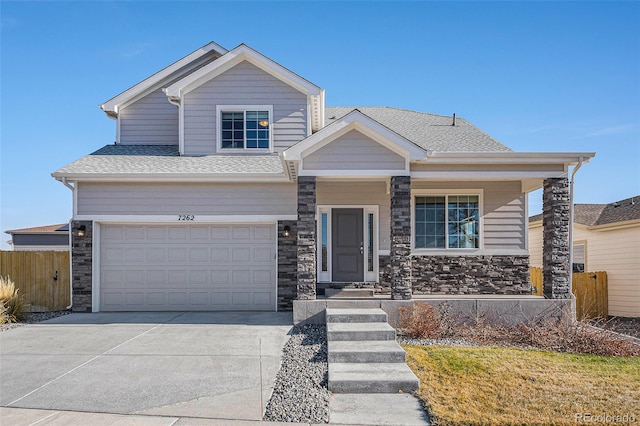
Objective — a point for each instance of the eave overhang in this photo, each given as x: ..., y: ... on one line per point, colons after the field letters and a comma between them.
x: 508, y: 157
x: 169, y: 177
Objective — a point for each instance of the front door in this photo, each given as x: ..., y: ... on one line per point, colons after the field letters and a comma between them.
x: 347, y: 250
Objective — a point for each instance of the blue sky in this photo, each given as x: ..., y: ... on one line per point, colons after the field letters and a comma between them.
x: 537, y: 76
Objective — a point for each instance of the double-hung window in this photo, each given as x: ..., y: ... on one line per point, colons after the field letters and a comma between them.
x: 447, y: 221
x: 245, y: 129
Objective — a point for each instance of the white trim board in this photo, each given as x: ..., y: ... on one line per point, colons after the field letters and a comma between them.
x: 175, y: 219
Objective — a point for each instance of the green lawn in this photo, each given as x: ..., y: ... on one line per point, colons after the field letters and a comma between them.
x: 502, y: 386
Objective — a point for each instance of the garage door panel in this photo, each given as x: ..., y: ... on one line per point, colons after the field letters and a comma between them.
x: 133, y: 233
x: 176, y: 254
x: 156, y: 298
x: 187, y: 267
x: 219, y: 299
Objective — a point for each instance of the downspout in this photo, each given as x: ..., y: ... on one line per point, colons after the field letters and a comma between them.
x: 72, y: 188
x: 572, y: 180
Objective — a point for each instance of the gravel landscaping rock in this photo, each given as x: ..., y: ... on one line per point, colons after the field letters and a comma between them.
x: 34, y: 317
x: 300, y: 393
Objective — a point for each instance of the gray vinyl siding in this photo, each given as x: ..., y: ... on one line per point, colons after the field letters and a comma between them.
x: 504, y: 211
x: 244, y: 84
x: 354, y: 151
x: 359, y: 193
x: 150, y: 120
x: 176, y: 198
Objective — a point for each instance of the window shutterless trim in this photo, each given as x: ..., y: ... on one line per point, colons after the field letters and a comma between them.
x: 242, y: 108
x: 444, y: 192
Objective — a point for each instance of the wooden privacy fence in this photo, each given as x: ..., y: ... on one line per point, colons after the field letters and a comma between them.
x: 42, y: 278
x: 590, y: 289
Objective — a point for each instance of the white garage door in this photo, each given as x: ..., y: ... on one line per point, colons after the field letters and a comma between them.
x: 187, y: 267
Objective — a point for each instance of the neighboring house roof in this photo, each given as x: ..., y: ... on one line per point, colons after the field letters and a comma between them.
x: 603, y: 214
x: 428, y: 131
x: 164, y: 162
x: 62, y: 227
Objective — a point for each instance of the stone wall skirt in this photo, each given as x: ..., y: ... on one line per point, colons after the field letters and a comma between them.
x: 470, y: 275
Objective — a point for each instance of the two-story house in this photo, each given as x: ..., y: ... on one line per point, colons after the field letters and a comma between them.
x: 231, y: 186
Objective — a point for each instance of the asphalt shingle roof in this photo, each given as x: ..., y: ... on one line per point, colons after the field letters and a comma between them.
x: 429, y: 131
x: 165, y: 159
x: 603, y: 214
x: 40, y: 229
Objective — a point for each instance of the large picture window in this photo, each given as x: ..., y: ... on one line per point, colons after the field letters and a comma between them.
x: 447, y: 222
x: 245, y: 129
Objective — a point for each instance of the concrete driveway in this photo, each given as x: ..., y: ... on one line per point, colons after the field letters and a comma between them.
x: 183, y: 364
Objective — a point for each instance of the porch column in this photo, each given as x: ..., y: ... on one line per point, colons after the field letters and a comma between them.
x: 555, y: 245
x: 306, y: 237
x: 82, y: 265
x: 401, y: 237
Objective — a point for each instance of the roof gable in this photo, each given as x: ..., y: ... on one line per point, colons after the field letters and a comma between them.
x: 157, y: 80
x: 355, y: 120
x: 244, y: 53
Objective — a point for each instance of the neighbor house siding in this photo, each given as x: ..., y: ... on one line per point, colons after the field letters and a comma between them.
x: 359, y: 193
x: 615, y: 251
x: 40, y: 240
x: 354, y: 151
x: 176, y: 198
x: 503, y: 208
x: 244, y: 84
x: 535, y: 246
x: 150, y: 120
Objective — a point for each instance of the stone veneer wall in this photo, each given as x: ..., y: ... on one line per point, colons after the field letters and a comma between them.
x: 384, y: 275
x: 470, y: 275
x: 82, y: 266
x: 555, y: 239
x: 306, y: 237
x: 401, y: 237
x: 287, y: 265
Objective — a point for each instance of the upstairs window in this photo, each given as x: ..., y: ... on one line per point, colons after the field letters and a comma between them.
x: 447, y: 222
x: 247, y: 129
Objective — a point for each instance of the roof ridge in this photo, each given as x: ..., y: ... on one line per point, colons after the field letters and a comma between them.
x: 396, y: 108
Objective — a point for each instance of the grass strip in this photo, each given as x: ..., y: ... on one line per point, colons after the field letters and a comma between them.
x: 503, y: 386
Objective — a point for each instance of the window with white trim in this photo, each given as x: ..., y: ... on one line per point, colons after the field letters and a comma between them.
x: 447, y: 221
x: 245, y: 129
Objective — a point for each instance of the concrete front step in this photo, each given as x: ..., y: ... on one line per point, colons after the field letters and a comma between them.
x: 360, y: 331
x: 366, y: 351
x: 348, y: 293
x: 371, y: 378
x: 356, y: 315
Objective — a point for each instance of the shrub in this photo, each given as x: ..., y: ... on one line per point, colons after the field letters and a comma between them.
x: 10, y: 302
x: 423, y: 321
